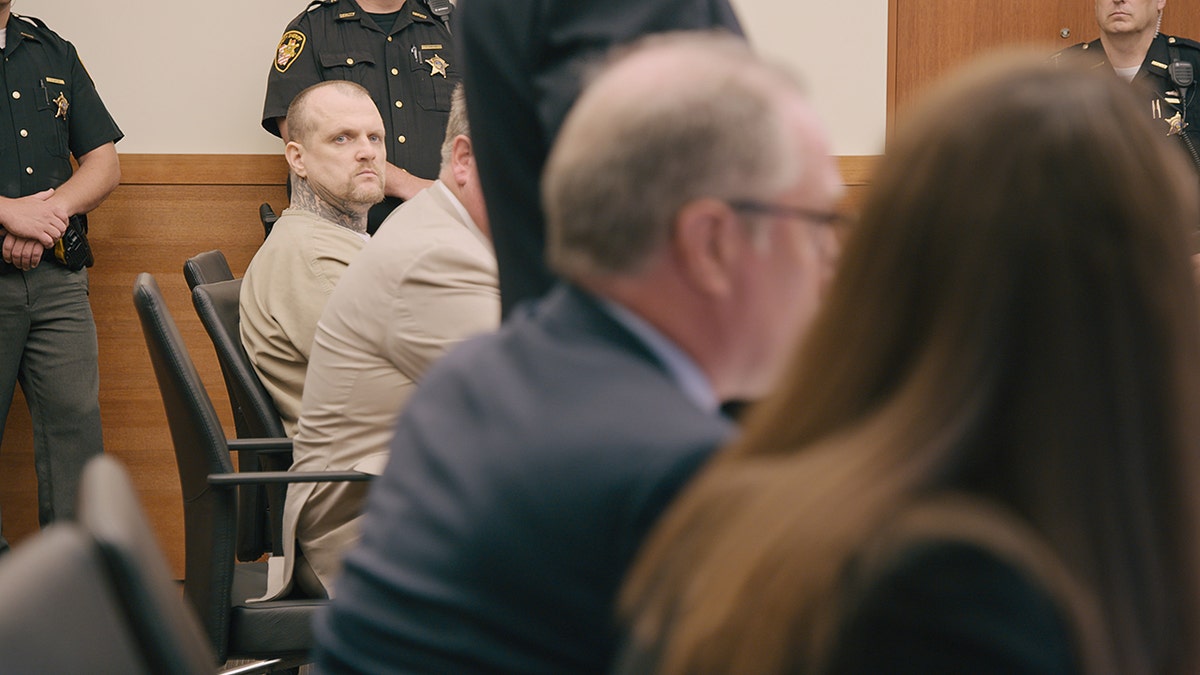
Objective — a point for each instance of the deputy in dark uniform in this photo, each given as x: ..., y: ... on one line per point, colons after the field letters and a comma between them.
x: 1161, y: 66
x: 401, y: 52
x: 49, y: 110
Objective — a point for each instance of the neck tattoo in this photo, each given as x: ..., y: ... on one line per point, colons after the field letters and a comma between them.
x: 350, y: 215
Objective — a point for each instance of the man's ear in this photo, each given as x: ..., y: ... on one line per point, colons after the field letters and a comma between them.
x: 462, y: 159
x: 708, y: 245
x: 294, y: 152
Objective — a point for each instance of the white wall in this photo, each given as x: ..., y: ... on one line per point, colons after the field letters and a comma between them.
x: 188, y: 77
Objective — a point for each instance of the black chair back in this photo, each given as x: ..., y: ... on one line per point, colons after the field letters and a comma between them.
x: 59, y: 613
x: 254, y: 529
x: 217, y: 305
x: 217, y: 587
x: 209, y: 514
x: 206, y: 268
x: 168, y: 632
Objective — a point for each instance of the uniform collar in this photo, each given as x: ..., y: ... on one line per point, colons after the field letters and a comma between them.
x: 19, y: 30
x: 412, y: 12
x: 1157, y: 58
x: 1154, y: 65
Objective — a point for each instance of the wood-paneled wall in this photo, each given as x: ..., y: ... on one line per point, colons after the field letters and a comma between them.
x: 167, y: 209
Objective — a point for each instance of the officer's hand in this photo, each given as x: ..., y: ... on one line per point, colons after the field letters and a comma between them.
x: 24, y: 254
x: 34, y: 218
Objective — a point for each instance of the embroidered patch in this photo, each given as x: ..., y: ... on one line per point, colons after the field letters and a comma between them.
x: 290, y: 46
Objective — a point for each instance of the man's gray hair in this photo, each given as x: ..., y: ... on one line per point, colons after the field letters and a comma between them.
x: 457, y: 124
x: 701, y: 117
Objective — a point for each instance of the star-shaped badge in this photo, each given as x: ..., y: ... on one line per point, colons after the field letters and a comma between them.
x: 1176, y: 124
x: 62, y: 104
x: 438, y: 65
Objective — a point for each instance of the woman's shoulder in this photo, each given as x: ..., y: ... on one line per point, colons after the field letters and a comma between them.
x: 952, y: 606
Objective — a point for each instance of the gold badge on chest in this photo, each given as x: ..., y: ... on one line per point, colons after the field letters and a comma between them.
x: 62, y: 104
x: 437, y: 65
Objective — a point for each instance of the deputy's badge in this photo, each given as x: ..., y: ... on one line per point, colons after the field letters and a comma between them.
x: 62, y: 104
x: 438, y: 65
x: 1176, y: 124
x: 290, y: 46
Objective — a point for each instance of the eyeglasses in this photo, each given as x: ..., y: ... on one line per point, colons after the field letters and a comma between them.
x: 829, y: 218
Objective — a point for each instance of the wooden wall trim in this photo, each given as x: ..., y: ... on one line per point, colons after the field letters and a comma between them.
x: 243, y: 170
x: 857, y: 169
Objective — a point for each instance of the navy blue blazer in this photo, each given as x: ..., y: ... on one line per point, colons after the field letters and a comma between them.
x: 524, y: 473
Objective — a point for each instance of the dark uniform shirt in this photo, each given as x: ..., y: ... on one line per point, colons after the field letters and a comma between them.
x: 1173, y: 115
x: 410, y: 72
x: 49, y: 110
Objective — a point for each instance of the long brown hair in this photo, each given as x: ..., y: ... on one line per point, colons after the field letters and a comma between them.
x: 1015, y: 320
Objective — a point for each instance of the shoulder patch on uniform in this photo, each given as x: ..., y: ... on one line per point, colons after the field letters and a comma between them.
x: 419, y: 15
x: 319, y: 3
x: 290, y: 46
x: 31, y: 20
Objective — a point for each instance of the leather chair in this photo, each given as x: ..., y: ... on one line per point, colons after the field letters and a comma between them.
x: 170, y: 636
x: 254, y: 413
x: 267, y: 215
x: 216, y: 586
x: 59, y: 612
x: 206, y: 268
x: 262, y: 505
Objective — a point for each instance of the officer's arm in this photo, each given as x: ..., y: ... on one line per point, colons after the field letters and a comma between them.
x: 402, y: 184
x: 98, y: 174
x: 32, y: 217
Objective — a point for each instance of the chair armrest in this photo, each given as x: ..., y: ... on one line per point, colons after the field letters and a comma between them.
x: 263, y: 445
x: 262, y: 477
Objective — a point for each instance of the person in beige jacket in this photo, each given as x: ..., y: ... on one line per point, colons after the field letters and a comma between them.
x: 336, y: 157
x: 425, y: 282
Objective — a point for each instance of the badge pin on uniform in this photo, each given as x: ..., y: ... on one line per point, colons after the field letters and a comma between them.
x: 62, y: 104
x: 1176, y: 125
x: 437, y: 65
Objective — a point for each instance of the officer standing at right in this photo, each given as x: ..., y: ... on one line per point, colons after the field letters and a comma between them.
x: 1163, y: 66
x: 401, y: 51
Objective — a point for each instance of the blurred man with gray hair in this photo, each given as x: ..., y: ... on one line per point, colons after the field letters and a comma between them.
x: 688, y: 197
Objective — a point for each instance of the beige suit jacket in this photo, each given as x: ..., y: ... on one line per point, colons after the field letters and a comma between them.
x: 425, y: 282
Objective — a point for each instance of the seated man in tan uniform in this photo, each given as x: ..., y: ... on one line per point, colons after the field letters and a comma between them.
x: 425, y: 282
x: 336, y: 156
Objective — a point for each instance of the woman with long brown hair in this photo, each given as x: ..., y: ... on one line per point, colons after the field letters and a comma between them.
x: 984, y: 457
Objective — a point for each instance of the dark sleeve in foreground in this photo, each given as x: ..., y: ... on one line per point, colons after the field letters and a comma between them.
x: 953, y: 608
x: 522, y: 61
